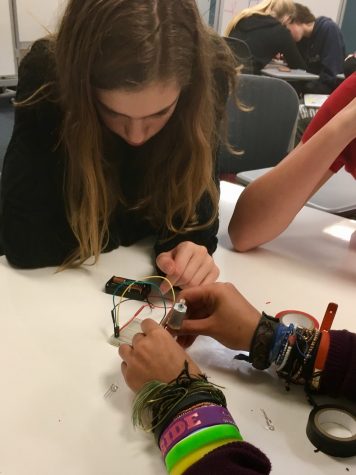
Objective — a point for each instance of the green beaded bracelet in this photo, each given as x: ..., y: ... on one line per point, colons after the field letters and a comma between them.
x: 198, y: 440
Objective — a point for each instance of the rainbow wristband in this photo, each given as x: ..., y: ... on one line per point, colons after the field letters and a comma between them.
x: 191, y: 421
x: 191, y: 459
x: 200, y: 439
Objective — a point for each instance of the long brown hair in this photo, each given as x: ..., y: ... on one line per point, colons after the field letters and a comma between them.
x: 128, y: 44
x: 276, y: 8
x: 302, y: 14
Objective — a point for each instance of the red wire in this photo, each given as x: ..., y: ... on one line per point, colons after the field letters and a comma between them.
x: 135, y: 315
x: 151, y: 305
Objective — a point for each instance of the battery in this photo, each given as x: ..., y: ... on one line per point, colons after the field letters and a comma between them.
x: 137, y: 291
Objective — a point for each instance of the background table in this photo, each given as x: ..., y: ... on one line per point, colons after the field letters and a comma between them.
x: 56, y: 364
x: 292, y: 75
x: 337, y: 195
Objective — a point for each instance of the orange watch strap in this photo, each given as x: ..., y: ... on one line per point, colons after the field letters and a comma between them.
x: 323, y: 351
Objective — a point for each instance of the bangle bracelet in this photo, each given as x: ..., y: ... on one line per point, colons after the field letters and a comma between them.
x: 191, y: 459
x: 200, y: 439
x: 189, y: 401
x: 262, y: 342
x: 192, y: 421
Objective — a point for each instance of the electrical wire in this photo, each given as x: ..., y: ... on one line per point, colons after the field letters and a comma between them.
x: 116, y: 307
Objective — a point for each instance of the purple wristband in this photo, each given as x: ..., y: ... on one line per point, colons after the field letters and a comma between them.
x: 192, y: 421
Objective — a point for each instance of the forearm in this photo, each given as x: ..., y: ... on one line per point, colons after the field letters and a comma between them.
x: 198, y: 432
x: 292, y: 55
x: 269, y: 204
x: 324, y: 362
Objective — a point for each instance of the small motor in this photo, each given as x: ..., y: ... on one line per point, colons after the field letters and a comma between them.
x: 177, y: 315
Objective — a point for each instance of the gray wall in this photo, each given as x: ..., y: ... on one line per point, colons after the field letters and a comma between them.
x: 348, y: 26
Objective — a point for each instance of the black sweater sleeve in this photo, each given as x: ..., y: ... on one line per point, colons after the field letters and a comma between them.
x: 339, y: 375
x: 240, y: 458
x: 34, y: 228
x: 290, y: 50
x: 204, y: 237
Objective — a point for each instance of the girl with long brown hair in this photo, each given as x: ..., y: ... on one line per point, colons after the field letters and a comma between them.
x: 116, y: 134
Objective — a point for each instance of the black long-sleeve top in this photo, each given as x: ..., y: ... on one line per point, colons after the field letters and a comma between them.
x: 266, y: 37
x: 34, y: 228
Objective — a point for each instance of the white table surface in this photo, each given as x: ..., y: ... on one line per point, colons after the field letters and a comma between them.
x: 56, y: 365
x: 292, y: 75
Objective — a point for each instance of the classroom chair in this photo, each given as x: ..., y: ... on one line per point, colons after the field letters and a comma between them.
x: 7, y: 118
x: 264, y: 134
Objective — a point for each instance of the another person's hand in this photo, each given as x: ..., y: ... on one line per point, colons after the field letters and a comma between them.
x: 279, y: 57
x: 154, y: 355
x: 187, y: 265
x: 221, y: 312
x: 352, y: 55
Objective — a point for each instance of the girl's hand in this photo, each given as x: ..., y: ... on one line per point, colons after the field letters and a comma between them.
x: 187, y: 265
x: 154, y: 355
x: 221, y: 312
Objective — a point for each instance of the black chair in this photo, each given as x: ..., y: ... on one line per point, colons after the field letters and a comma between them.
x: 7, y: 118
x: 242, y: 54
x: 264, y: 134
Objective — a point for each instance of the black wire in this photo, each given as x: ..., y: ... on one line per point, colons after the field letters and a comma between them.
x: 113, y: 312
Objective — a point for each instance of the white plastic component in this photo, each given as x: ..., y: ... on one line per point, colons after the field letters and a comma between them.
x: 127, y: 334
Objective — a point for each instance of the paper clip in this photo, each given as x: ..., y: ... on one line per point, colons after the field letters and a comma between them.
x: 112, y: 389
x: 269, y: 423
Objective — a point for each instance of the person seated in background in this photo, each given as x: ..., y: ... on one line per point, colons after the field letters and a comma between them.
x: 269, y: 204
x: 321, y: 43
x: 187, y: 414
x: 262, y: 28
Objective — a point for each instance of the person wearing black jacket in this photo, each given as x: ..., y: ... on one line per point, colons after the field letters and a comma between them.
x: 321, y: 43
x: 110, y: 146
x: 262, y: 28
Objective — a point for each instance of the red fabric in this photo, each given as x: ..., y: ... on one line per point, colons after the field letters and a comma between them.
x: 337, y: 101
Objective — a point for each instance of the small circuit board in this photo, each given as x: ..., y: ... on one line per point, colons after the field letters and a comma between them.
x: 127, y: 333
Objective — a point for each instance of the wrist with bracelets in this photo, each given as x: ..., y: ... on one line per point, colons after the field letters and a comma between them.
x: 262, y: 342
x: 193, y: 422
x: 293, y: 350
x: 189, y: 417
